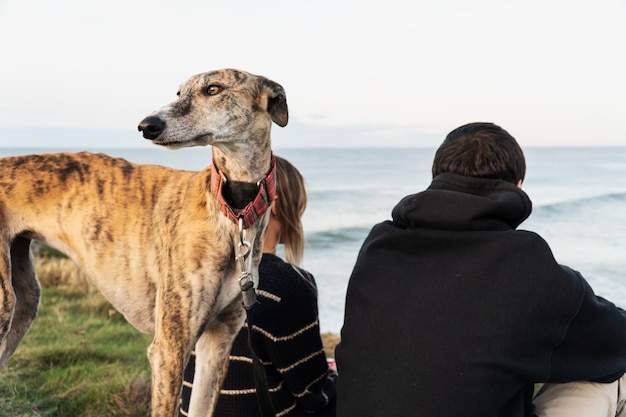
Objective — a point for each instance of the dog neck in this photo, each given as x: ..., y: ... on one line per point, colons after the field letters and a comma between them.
x: 244, y: 200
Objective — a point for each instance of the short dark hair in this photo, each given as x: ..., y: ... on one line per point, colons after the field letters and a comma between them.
x: 482, y: 150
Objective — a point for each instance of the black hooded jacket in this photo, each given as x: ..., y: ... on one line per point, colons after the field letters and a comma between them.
x: 451, y: 311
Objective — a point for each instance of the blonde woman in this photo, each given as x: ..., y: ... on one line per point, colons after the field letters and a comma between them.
x: 286, y: 327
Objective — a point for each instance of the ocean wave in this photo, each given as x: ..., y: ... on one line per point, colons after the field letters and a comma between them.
x: 332, y: 237
x: 595, y: 202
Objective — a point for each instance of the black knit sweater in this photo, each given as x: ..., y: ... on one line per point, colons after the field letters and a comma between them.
x: 451, y: 311
x: 287, y: 339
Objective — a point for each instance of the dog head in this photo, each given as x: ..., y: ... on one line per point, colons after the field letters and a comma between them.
x: 219, y: 107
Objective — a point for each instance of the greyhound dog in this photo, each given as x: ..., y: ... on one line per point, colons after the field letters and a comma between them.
x: 168, y: 248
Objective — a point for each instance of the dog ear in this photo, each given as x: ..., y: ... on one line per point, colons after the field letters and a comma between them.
x: 276, y: 103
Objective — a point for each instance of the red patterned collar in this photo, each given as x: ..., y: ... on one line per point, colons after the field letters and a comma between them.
x: 255, y: 208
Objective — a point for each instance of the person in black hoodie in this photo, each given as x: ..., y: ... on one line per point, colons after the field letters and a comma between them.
x: 453, y: 312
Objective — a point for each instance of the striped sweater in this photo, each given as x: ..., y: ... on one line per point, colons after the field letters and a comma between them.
x: 287, y: 339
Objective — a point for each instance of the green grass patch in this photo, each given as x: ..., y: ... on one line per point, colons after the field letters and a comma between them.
x: 80, y: 358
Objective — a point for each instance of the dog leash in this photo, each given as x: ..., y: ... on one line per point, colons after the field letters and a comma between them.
x: 246, y: 285
x: 245, y: 218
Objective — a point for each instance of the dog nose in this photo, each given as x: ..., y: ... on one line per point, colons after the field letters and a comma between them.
x: 151, y: 127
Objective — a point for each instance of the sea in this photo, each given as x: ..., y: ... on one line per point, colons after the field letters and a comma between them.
x: 578, y: 194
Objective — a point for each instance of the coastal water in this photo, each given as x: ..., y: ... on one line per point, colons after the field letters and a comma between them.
x: 578, y: 194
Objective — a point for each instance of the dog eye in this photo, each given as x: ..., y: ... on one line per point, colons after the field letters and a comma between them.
x: 214, y: 89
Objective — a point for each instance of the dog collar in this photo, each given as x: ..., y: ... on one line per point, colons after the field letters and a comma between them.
x: 255, y: 208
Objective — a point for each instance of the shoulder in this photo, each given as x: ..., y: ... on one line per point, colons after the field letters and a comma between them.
x: 284, y: 280
x: 272, y: 268
x: 531, y: 244
x: 271, y: 263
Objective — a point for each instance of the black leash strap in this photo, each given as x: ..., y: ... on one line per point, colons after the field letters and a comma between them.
x: 260, y: 380
x: 248, y: 293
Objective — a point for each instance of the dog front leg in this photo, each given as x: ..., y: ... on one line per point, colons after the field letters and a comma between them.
x: 212, y: 355
x: 167, y: 378
x: 168, y: 355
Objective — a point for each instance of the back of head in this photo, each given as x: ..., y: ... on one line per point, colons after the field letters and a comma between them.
x: 290, y: 203
x: 482, y: 150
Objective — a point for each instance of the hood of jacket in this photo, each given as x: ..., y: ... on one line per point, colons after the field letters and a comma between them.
x: 456, y: 202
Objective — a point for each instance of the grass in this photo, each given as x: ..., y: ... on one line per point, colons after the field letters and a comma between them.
x: 80, y: 358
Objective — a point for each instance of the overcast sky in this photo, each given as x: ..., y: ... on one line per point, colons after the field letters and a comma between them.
x: 549, y: 71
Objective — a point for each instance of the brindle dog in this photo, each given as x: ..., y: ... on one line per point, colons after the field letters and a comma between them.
x: 153, y: 239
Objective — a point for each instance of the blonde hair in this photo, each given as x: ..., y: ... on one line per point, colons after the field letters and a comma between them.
x: 290, y: 205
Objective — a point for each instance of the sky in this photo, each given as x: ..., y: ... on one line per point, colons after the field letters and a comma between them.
x: 385, y: 73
